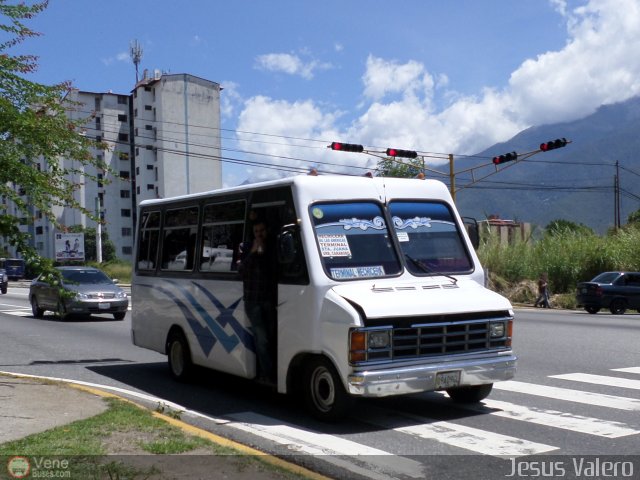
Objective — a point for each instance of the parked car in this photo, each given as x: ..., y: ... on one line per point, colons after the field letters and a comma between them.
x: 4, y: 281
x: 85, y: 290
x: 617, y: 291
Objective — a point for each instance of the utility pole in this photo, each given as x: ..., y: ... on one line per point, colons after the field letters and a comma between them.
x: 135, y: 51
x: 98, y: 232
x: 616, y: 192
x: 452, y: 178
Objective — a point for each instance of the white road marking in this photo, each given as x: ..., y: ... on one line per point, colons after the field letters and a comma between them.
x: 600, y: 380
x: 577, y: 396
x: 468, y: 438
x: 555, y: 419
x: 627, y: 370
x: 376, y: 463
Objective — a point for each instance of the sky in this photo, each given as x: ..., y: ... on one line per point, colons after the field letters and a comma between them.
x: 434, y: 76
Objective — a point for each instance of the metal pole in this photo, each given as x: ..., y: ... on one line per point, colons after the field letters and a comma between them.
x: 452, y: 178
x: 98, y: 232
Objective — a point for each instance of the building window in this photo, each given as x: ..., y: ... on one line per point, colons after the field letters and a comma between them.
x: 135, y: 112
x: 123, y: 155
x: 125, y: 194
x: 123, y: 137
x: 125, y: 212
x: 150, y: 186
x: 39, y: 230
x: 137, y: 151
x: 98, y: 138
x: 122, y: 117
x: 98, y: 123
x: 126, y: 251
x: 122, y: 99
x: 97, y: 103
x: 148, y: 127
x: 124, y: 174
x: 100, y: 185
x: 148, y: 107
x: 126, y: 231
x: 149, y: 147
x: 149, y: 167
x: 135, y: 131
x: 137, y: 170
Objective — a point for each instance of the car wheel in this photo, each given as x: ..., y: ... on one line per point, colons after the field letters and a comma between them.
x: 61, y: 310
x: 179, y: 355
x: 4, y: 290
x: 324, y: 395
x: 592, y: 310
x: 35, y: 308
x: 618, y: 306
x: 472, y: 394
x: 119, y: 315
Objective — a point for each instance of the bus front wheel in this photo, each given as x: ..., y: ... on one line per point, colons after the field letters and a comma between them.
x: 179, y: 356
x: 324, y: 395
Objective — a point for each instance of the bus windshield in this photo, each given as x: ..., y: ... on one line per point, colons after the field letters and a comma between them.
x: 354, y: 240
x: 429, y: 238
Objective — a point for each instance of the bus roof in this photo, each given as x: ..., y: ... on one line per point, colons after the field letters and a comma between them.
x: 336, y: 187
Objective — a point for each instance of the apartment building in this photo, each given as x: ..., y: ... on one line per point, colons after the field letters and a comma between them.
x: 163, y: 139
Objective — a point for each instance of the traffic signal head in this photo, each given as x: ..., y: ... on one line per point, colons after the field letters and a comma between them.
x: 507, y: 157
x: 396, y: 152
x: 346, y: 147
x: 553, y: 144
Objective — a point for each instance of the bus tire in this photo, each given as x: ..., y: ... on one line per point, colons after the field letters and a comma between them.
x: 179, y: 356
x: 324, y: 395
x: 471, y: 394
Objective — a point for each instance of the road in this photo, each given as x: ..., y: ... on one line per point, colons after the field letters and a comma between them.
x: 576, y: 395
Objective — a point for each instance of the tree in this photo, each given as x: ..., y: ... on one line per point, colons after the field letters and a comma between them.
x: 405, y: 168
x: 634, y: 218
x: 558, y: 227
x: 35, y: 132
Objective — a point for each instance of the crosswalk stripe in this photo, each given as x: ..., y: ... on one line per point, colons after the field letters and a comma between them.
x: 576, y: 396
x: 468, y: 438
x: 554, y: 418
x: 600, y: 380
x: 329, y: 448
x: 627, y: 370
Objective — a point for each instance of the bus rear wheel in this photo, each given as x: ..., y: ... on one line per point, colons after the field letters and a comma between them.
x: 179, y: 357
x: 324, y: 395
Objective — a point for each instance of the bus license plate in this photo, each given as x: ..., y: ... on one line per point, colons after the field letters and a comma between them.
x: 104, y: 306
x: 447, y: 380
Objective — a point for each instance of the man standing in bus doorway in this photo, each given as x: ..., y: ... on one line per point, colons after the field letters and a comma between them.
x: 257, y: 267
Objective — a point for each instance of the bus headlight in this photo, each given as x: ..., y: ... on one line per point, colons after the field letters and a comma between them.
x: 379, y: 339
x: 497, y: 330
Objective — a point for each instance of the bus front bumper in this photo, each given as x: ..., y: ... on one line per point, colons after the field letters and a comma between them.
x: 426, y: 378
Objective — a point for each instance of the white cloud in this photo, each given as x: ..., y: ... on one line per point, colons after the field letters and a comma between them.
x: 599, y: 64
x: 118, y: 57
x: 290, y: 64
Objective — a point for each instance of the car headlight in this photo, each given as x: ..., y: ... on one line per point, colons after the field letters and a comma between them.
x: 81, y: 296
x: 497, y: 330
x: 121, y: 294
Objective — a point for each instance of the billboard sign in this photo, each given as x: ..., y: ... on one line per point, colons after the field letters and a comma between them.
x: 69, y: 246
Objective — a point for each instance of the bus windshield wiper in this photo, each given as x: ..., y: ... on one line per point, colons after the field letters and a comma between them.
x: 426, y: 269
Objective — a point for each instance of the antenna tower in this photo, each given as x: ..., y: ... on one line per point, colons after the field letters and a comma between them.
x: 135, y: 50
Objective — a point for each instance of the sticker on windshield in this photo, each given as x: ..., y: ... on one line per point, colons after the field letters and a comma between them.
x: 357, y: 272
x: 403, y: 236
x: 334, y: 245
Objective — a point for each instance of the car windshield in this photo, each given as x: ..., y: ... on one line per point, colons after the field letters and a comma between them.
x: 354, y: 240
x: 429, y: 238
x: 606, y: 277
x: 85, y: 277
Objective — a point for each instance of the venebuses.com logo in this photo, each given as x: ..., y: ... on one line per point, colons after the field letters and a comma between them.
x: 18, y: 467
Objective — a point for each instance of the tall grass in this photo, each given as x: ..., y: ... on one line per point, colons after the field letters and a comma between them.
x: 567, y: 257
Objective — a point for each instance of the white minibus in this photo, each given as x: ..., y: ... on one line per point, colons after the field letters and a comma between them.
x: 378, y: 290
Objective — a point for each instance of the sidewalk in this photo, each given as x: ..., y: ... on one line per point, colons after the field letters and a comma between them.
x: 30, y: 406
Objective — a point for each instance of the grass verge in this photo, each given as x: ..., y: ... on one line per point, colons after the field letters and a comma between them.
x: 123, y: 442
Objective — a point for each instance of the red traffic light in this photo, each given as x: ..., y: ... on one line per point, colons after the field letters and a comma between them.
x: 507, y: 157
x: 396, y: 152
x: 346, y: 147
x: 553, y: 144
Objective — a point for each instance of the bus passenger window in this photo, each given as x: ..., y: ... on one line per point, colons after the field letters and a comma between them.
x: 179, y: 240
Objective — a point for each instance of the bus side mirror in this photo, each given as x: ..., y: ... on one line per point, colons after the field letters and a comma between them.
x: 287, y: 245
x: 472, y: 230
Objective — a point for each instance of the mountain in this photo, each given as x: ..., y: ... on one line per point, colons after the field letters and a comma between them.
x: 573, y: 183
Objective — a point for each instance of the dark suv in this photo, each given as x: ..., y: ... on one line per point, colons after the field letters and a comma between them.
x: 4, y: 281
x: 617, y: 291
